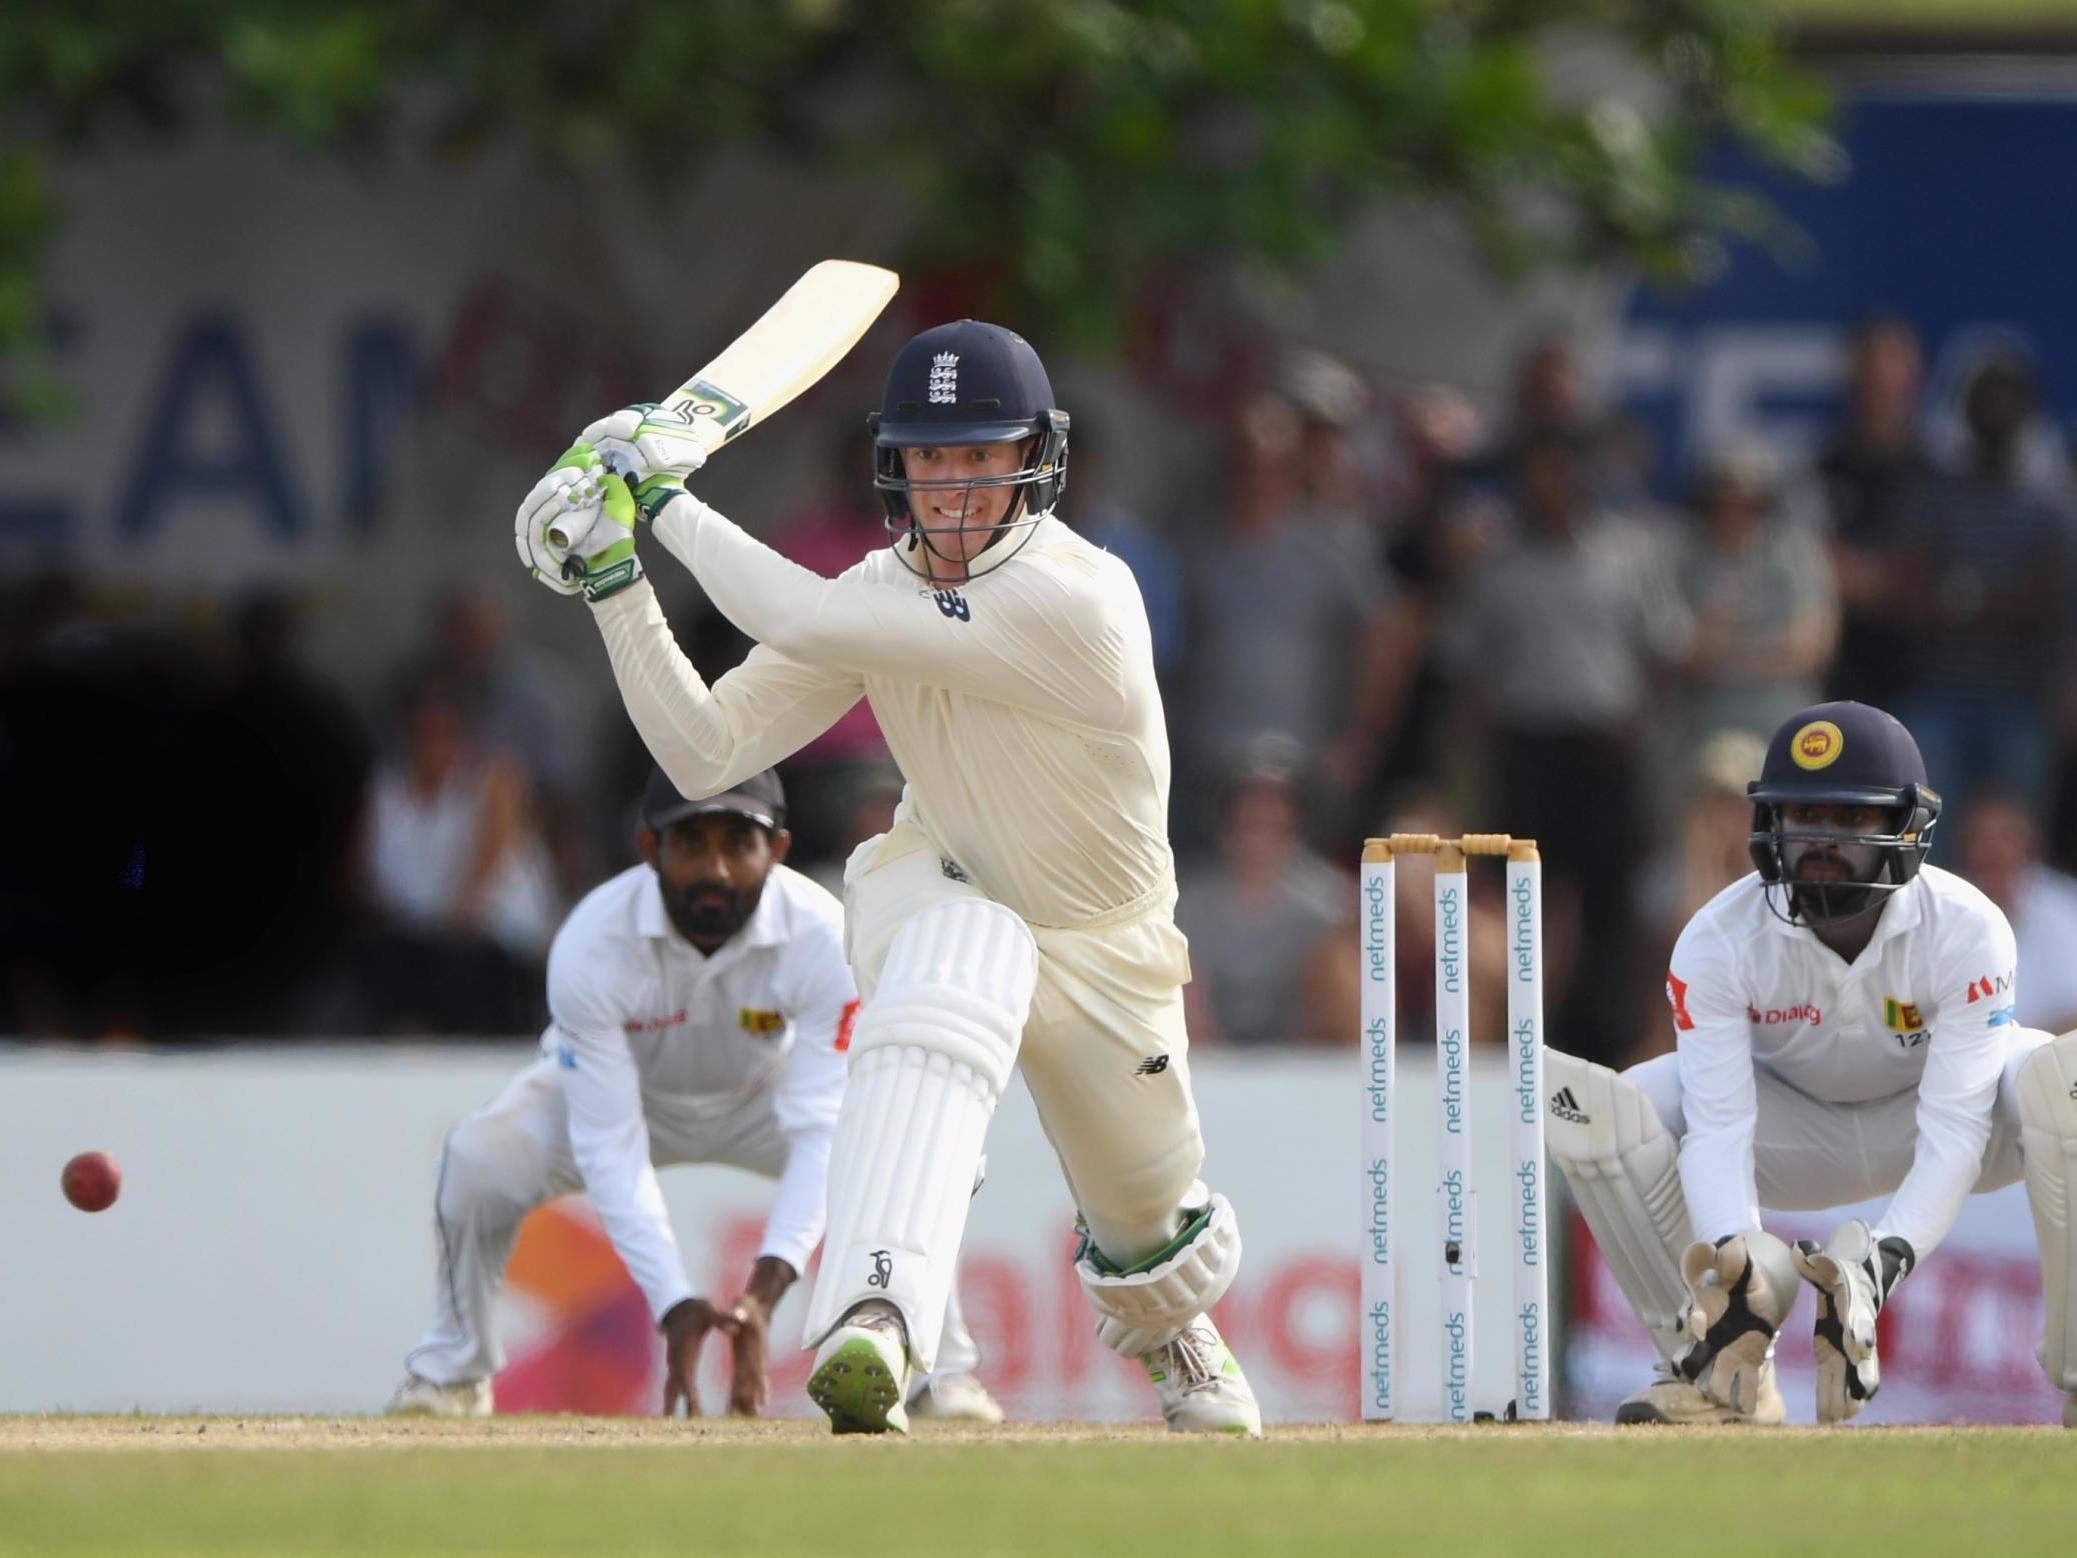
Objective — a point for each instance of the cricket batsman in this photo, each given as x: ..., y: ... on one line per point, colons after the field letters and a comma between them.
x: 1844, y: 1029
x: 1020, y: 909
x: 701, y: 1005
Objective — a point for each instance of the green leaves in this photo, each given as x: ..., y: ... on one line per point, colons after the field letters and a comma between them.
x: 1057, y: 153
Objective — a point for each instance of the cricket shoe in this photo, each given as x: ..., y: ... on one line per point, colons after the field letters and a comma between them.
x: 422, y: 1398
x: 1674, y: 1401
x: 1199, y: 1385
x: 955, y: 1398
x: 862, y: 1372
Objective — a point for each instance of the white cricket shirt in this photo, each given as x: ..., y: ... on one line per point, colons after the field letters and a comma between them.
x: 1021, y: 705
x: 1922, y: 1007
x: 647, y: 1029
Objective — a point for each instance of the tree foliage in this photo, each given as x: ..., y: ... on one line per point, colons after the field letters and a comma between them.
x: 1061, y: 151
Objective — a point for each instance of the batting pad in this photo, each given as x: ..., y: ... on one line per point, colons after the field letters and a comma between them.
x: 2048, y: 1140
x: 1148, y: 1305
x: 1623, y: 1167
x: 930, y: 1056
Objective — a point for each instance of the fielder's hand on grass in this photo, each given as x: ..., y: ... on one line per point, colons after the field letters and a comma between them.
x: 684, y: 1329
x: 751, y: 1387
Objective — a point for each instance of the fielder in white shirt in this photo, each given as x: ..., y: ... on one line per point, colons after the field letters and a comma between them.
x: 1020, y: 912
x: 1845, y: 1029
x: 701, y: 1007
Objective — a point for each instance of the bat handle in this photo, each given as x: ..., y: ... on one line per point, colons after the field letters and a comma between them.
x: 569, y: 535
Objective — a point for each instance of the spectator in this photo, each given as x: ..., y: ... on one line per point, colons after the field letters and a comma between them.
x: 1711, y: 849
x: 1090, y: 509
x: 1259, y: 912
x: 1872, y: 472
x: 1559, y: 649
x: 1760, y: 589
x: 461, y: 876
x: 1991, y: 623
x: 1335, y: 983
x: 1287, y: 637
x: 517, y: 701
x: 2001, y: 853
x: 865, y: 806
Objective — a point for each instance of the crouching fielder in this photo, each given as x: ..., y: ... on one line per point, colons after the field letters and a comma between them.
x: 1843, y: 1022
x: 1019, y: 911
x: 701, y: 1005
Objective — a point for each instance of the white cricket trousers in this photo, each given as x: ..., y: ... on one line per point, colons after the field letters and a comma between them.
x: 1810, y: 1155
x: 509, y: 1157
x: 1105, y: 1052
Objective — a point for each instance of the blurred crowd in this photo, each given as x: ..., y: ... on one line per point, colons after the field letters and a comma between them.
x: 1398, y: 614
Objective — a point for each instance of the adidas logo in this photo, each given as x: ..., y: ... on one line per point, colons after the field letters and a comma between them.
x: 1152, y: 1066
x: 1566, y: 1107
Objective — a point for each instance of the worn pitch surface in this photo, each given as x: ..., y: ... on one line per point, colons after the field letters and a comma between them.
x: 582, y: 1485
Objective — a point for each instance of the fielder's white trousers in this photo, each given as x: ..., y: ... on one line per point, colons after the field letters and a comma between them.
x: 1809, y: 1155
x: 510, y: 1156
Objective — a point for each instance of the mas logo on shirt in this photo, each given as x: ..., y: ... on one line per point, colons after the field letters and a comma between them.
x: 1677, y: 998
x: 1817, y: 745
x: 762, y: 1024
x: 1903, y: 1019
x: 1985, y: 988
x: 953, y: 604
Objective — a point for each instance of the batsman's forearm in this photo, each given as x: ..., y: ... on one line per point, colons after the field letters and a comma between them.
x: 685, y: 727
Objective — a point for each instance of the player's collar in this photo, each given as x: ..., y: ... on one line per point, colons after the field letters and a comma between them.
x: 1900, y: 913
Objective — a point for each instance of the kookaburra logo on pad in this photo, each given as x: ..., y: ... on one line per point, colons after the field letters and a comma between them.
x: 944, y: 379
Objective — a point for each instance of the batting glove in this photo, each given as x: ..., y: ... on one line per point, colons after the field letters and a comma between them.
x: 575, y: 529
x: 646, y: 440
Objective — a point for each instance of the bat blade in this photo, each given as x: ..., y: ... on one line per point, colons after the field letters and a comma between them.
x: 798, y: 339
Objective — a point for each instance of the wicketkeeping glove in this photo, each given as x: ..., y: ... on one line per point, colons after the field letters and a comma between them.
x: 1854, y: 1277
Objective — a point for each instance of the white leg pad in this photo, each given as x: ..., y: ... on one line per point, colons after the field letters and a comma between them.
x: 1148, y: 1305
x: 1623, y: 1168
x: 2048, y: 1141
x: 930, y: 1056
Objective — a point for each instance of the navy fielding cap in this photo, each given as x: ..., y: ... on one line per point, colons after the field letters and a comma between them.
x: 761, y: 798
x: 1842, y: 754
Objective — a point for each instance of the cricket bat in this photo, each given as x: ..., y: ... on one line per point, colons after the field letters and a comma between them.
x: 799, y: 339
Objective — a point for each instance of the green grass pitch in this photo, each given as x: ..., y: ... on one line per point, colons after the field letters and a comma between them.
x: 572, y: 1485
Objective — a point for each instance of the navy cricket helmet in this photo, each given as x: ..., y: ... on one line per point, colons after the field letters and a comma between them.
x: 1842, y: 754
x: 969, y: 383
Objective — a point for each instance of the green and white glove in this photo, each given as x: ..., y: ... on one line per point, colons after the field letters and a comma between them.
x: 648, y: 440
x: 576, y: 529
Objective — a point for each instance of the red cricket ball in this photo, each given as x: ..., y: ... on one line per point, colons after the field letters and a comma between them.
x: 92, y: 1181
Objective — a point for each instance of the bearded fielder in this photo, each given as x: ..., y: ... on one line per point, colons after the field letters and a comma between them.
x: 701, y: 1005
x: 1844, y: 1029
x: 1019, y: 911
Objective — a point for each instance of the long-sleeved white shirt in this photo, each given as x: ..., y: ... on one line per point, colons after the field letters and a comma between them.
x: 1922, y: 1007
x: 648, y: 1030
x: 1021, y: 705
